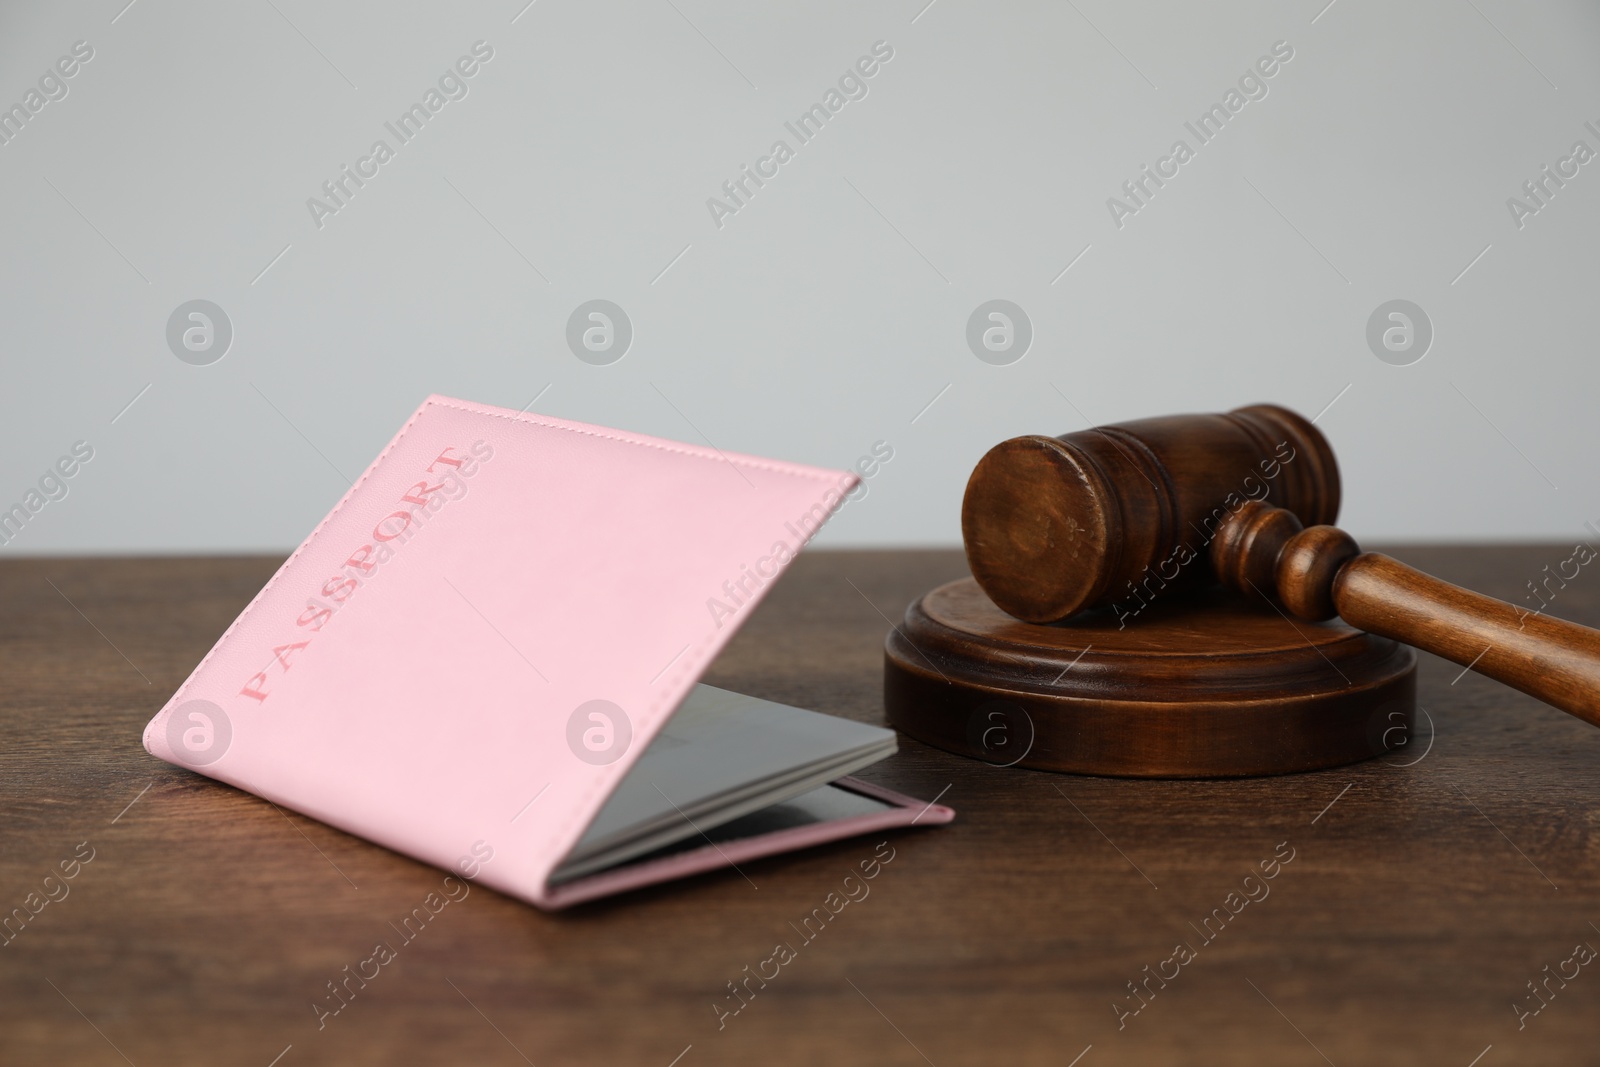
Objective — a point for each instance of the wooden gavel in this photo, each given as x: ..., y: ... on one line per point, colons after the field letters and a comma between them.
x: 1115, y: 515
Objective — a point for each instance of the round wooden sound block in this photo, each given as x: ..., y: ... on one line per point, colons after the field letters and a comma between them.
x: 1202, y: 685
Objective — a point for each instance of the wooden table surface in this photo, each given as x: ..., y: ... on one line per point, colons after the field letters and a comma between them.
x: 1426, y: 890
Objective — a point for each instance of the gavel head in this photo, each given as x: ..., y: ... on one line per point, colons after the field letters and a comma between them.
x: 1055, y: 525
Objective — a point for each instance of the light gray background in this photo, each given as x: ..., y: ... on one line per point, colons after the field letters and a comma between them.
x: 832, y: 310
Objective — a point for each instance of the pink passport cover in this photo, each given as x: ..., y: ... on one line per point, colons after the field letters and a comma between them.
x: 420, y: 671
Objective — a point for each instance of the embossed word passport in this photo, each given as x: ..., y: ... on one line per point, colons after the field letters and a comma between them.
x: 486, y: 657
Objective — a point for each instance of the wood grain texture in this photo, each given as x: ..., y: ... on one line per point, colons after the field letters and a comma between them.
x: 1203, y: 684
x: 1055, y: 525
x: 1420, y: 900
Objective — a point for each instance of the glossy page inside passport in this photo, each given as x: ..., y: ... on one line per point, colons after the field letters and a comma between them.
x: 721, y: 757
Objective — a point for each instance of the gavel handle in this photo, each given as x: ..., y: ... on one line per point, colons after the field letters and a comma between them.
x: 1318, y: 572
x: 1555, y: 661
